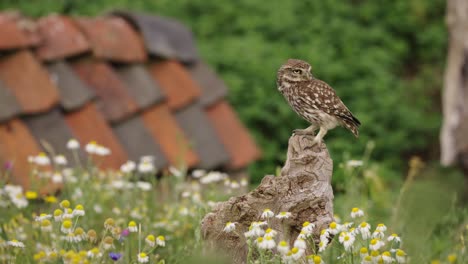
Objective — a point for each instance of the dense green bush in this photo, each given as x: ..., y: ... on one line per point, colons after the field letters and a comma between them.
x: 384, y: 58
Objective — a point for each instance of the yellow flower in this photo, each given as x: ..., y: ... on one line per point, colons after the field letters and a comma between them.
x: 65, y: 204
x: 150, y: 240
x: 31, y: 195
x: 452, y: 258
x: 50, y: 199
x: 39, y: 256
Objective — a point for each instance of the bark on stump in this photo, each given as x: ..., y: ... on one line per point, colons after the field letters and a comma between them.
x: 304, y: 189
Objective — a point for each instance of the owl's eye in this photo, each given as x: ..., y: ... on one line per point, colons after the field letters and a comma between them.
x: 297, y: 71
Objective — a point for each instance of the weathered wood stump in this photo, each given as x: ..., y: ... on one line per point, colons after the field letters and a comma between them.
x: 304, y: 189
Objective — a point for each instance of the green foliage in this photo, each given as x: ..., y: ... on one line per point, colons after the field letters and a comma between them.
x: 385, y: 59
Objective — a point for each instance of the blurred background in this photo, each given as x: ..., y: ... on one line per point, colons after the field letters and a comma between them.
x: 385, y: 59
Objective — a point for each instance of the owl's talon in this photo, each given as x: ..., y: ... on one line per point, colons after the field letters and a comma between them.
x: 302, y: 132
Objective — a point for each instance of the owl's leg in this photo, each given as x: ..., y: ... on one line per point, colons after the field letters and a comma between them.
x: 322, y: 132
x: 308, y: 131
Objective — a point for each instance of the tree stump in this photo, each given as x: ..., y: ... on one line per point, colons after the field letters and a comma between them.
x: 303, y: 189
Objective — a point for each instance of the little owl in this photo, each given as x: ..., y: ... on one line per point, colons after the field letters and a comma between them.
x: 314, y: 100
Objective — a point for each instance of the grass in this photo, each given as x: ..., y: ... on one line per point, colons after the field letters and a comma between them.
x: 130, y: 216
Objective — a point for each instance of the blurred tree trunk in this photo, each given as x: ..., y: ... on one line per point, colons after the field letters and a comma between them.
x: 454, y: 134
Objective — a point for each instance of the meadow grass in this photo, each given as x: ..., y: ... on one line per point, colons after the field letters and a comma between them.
x: 131, y: 216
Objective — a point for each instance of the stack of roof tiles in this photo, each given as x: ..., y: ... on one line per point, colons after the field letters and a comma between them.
x: 131, y: 82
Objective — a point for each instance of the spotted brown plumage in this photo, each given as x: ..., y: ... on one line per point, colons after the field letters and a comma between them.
x: 314, y: 100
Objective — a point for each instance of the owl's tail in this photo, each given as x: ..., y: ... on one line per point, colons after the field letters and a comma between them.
x: 352, y: 124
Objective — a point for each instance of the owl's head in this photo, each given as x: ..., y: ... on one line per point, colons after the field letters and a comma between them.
x: 295, y: 70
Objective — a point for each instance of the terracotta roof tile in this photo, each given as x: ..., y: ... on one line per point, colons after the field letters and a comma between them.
x: 89, y: 125
x: 113, y: 38
x: 11, y: 36
x: 176, y: 83
x: 60, y: 38
x: 233, y: 134
x: 164, y: 37
x: 74, y: 93
x: 202, y: 135
x: 114, y: 100
x: 212, y: 87
x: 36, y: 93
x: 164, y: 128
x: 50, y: 128
x: 138, y: 141
x: 143, y: 88
x: 9, y: 107
x: 16, y: 144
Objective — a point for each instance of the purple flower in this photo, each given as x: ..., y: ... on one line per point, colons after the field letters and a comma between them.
x: 8, y: 165
x: 115, y: 256
x: 125, y: 232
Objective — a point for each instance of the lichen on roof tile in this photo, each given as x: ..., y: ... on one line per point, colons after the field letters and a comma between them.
x: 36, y: 92
x: 112, y: 38
x: 60, y: 38
x: 9, y: 107
x: 212, y: 87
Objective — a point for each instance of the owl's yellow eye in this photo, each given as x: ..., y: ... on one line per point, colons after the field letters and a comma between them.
x: 297, y: 71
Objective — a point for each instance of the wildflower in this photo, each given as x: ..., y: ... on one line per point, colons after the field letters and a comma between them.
x: 394, y: 237
x: 300, y: 243
x: 401, y: 256
x: 15, y: 243
x: 381, y: 228
x: 376, y: 244
x: 379, y: 231
x: 50, y: 199
x: 57, y: 177
x: 132, y: 227
x: 363, y: 252
x: 334, y: 228
x: 323, y: 245
x: 255, y: 229
x: 94, y: 252
x: 364, y: 229
x: 150, y: 240
x: 324, y: 235
x: 92, y: 236
x: 46, y: 225
x: 367, y: 260
x: 356, y: 212
x: 68, y: 214
x: 102, y: 151
x: 235, y: 185
x: 267, y: 213
x: 19, y: 200
x: 244, y: 182
x: 79, y: 210
x: 283, y: 215
x: 60, y: 160
x: 58, y: 215
x: 354, y: 163
x: 80, y: 234
x: 375, y: 255
x: 41, y: 159
x: 66, y: 226
x: 347, y: 240
x: 42, y: 217
x: 70, y: 237
x: 91, y: 147
x: 387, y: 257
x: 268, y: 243
x: 143, y: 258
x: 115, y: 256
x: 108, y: 243
x: 73, y: 144
x: 308, y: 227
x: 198, y: 173
x: 452, y: 258
x: 161, y: 241
x: 109, y: 223
x: 144, y: 186
x: 145, y: 166
x: 303, y: 235
x: 39, y: 256
x: 296, y: 253
x: 283, y: 247
x: 314, y: 259
x: 65, y: 204
x: 128, y: 167
x: 270, y: 232
x: 229, y: 227
x: 176, y: 172
x: 31, y: 195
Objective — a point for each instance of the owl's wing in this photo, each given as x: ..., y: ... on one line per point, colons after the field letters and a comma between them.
x: 330, y: 103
